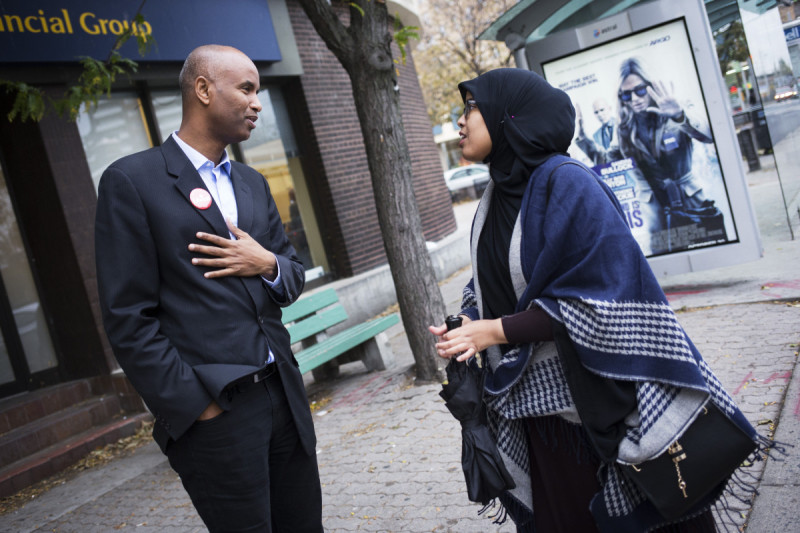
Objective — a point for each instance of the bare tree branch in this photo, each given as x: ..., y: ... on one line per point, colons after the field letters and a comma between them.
x: 450, y: 51
x: 330, y: 28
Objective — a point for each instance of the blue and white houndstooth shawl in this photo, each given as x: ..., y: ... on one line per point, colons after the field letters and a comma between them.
x: 573, y: 254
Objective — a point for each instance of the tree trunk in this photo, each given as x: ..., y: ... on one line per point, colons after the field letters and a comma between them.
x: 418, y: 293
x: 365, y: 52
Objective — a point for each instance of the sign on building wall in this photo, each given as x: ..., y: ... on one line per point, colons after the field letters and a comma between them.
x: 63, y: 31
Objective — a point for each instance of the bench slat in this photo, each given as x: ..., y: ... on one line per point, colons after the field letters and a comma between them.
x: 309, y: 304
x: 331, y: 347
x: 312, y: 325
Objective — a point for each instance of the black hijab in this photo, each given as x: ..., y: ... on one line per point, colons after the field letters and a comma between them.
x: 528, y: 121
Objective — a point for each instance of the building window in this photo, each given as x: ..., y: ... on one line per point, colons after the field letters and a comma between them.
x: 29, y: 326
x: 272, y: 150
x: 168, y: 110
x: 113, y: 129
x: 118, y: 127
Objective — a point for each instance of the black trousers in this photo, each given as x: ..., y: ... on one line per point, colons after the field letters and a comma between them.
x: 245, y: 470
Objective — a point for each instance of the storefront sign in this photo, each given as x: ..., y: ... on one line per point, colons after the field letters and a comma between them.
x: 58, y: 30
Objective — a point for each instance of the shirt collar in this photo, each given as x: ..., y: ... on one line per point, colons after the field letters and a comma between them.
x: 197, y: 159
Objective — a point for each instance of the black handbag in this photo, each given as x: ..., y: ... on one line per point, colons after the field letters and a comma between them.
x: 693, y: 466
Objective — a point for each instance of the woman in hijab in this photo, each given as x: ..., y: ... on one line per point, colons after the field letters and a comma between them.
x: 554, y: 260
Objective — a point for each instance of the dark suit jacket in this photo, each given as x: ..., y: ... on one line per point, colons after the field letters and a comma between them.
x: 179, y: 337
x: 598, y: 136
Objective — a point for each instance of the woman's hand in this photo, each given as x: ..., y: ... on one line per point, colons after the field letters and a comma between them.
x: 472, y: 337
x: 664, y: 98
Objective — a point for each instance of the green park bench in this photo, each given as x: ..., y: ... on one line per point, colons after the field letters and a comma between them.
x: 307, y: 321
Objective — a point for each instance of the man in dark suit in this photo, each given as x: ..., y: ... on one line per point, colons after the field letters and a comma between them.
x: 603, y: 137
x: 193, y: 268
x: 605, y: 133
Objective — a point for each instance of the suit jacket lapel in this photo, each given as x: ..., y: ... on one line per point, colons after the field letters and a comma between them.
x: 244, y: 209
x: 244, y: 200
x: 188, y: 179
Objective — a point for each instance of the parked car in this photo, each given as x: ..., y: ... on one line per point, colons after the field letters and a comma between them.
x: 473, y: 177
x: 785, y: 93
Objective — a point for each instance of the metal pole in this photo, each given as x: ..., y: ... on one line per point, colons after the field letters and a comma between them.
x: 520, y: 59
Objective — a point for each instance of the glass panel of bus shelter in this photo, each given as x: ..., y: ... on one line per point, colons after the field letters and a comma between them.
x: 113, y: 129
x: 23, y: 296
x: 773, y: 37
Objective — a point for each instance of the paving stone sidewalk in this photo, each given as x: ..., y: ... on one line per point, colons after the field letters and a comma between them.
x: 389, y: 451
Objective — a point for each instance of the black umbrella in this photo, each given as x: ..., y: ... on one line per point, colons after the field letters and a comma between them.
x: 484, y: 471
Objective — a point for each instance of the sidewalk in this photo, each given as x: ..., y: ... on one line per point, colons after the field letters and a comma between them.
x: 389, y: 451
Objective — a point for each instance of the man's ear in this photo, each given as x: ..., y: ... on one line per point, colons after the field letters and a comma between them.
x: 202, y: 89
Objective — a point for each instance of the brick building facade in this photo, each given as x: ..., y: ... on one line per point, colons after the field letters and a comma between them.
x: 346, y: 191
x: 311, y: 152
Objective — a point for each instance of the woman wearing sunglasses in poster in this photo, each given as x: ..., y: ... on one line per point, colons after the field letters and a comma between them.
x: 657, y: 134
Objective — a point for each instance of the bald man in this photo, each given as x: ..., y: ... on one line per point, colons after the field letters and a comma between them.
x: 603, y: 137
x: 193, y: 269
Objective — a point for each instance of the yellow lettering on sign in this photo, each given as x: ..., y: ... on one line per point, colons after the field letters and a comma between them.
x: 36, y: 23
x: 12, y: 18
x: 57, y: 25
x: 116, y: 27
x: 145, y: 28
x: 44, y: 22
x: 88, y: 22
x: 29, y: 26
x: 67, y: 21
x: 94, y: 30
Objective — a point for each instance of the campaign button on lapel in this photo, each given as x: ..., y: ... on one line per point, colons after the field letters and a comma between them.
x: 200, y: 198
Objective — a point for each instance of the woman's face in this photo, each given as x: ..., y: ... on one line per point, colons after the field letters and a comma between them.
x: 475, y: 144
x: 635, y: 87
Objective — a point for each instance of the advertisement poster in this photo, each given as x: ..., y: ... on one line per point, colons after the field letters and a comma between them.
x: 642, y: 125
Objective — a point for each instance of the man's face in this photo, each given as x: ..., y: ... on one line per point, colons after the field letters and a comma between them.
x: 602, y: 111
x: 234, y: 103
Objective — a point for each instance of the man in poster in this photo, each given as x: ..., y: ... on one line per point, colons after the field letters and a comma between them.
x: 603, y: 136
